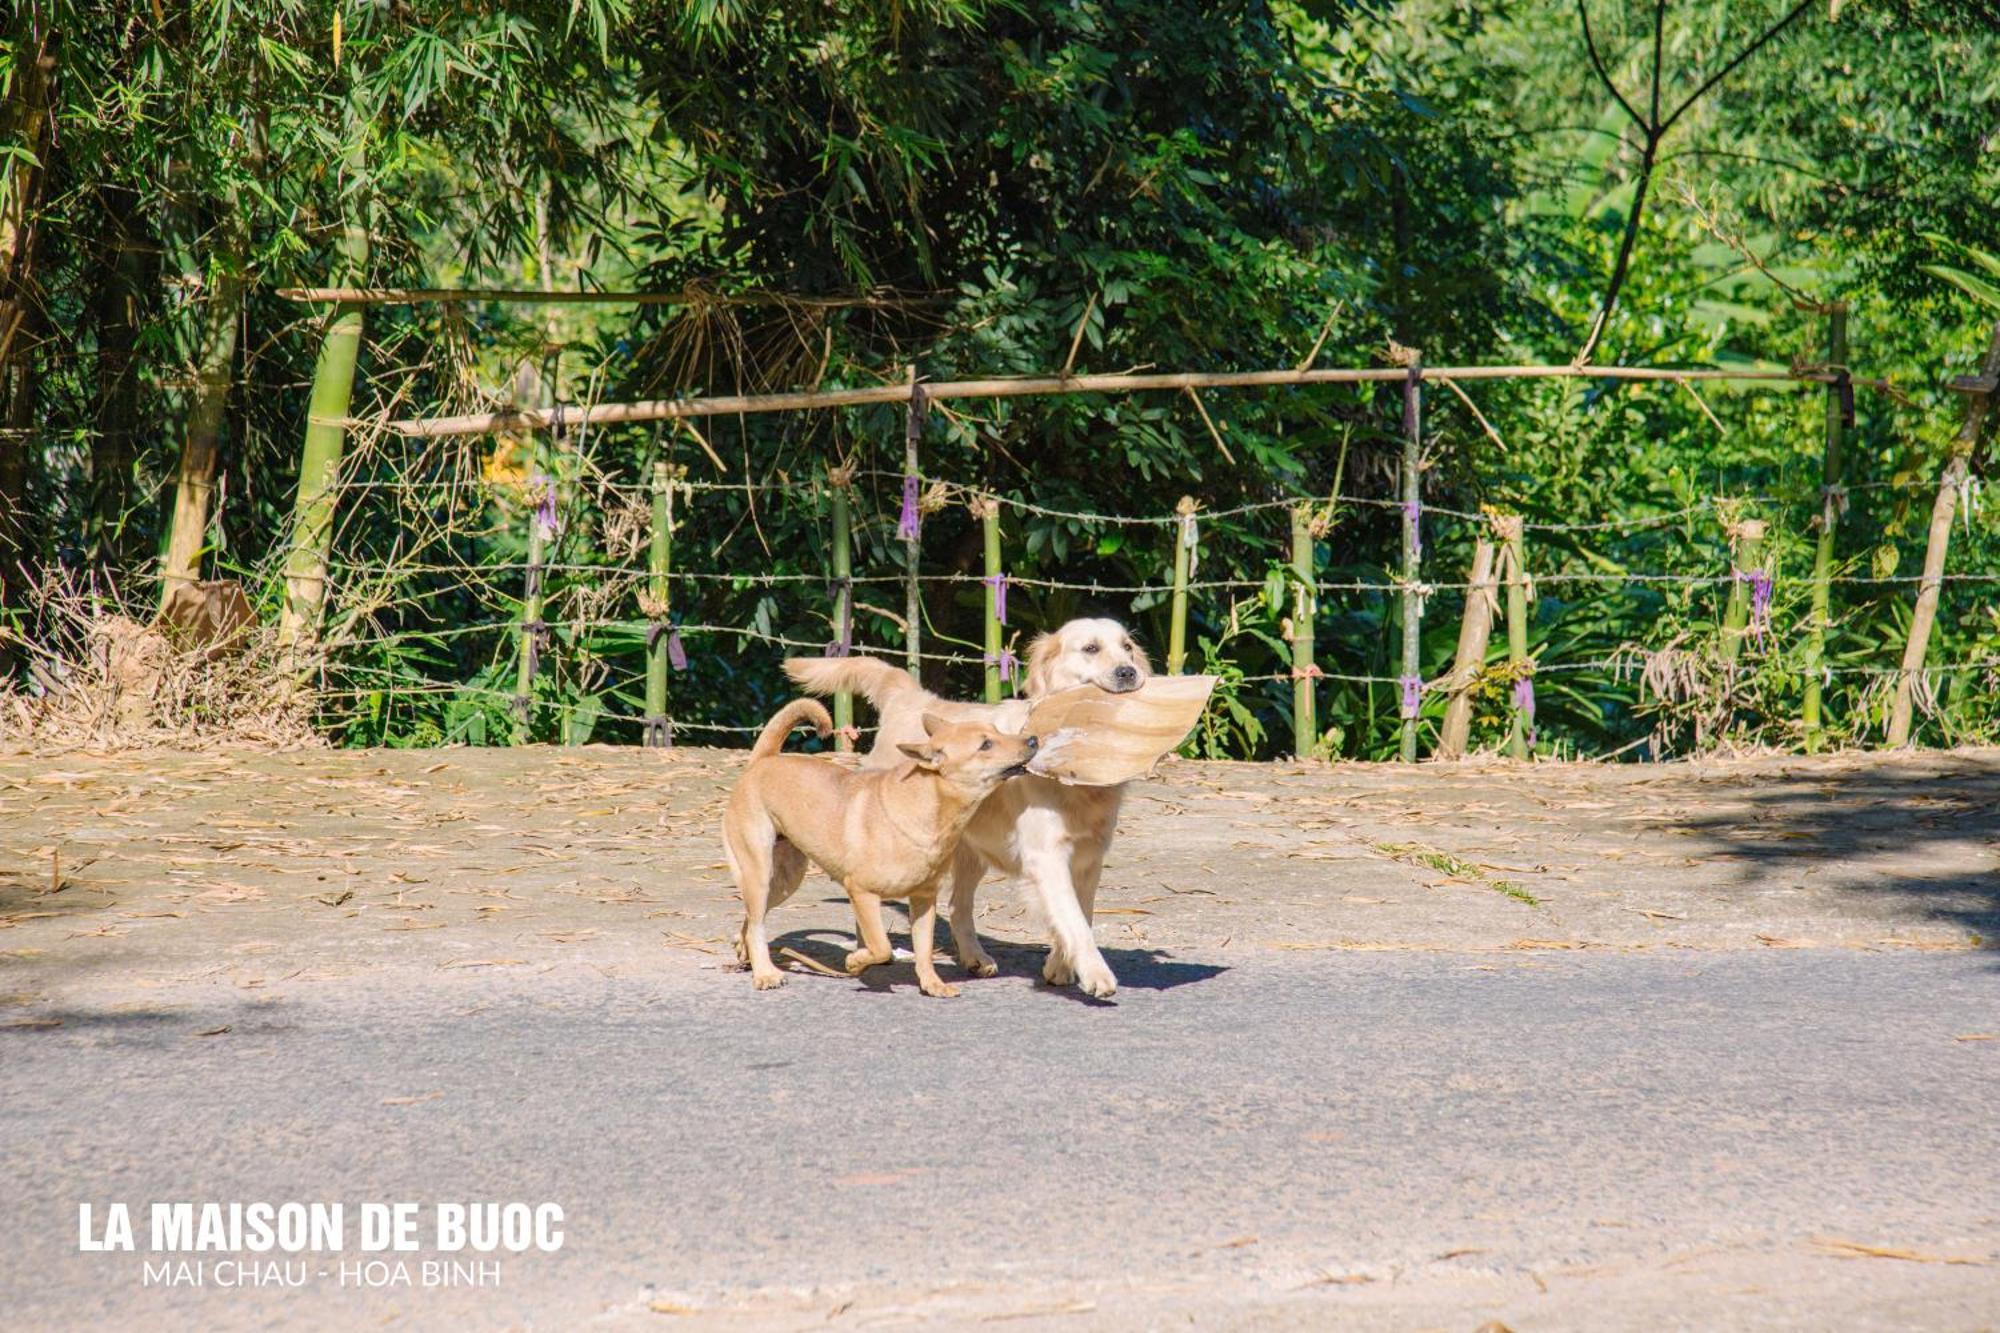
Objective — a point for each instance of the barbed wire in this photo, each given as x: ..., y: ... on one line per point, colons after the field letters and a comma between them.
x: 1388, y: 585
x: 445, y: 512
x: 958, y: 491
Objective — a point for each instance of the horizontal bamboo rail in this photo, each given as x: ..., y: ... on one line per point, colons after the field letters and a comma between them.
x: 536, y: 296
x: 482, y: 423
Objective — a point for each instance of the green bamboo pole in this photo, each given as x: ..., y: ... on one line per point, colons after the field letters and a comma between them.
x: 326, y: 427
x: 1980, y: 389
x: 1305, y: 607
x: 659, y: 607
x: 1184, y: 540
x: 913, y: 605
x: 841, y: 481
x: 1839, y: 400
x: 987, y: 510
x: 532, y: 634
x: 1507, y: 527
x: 1746, y: 560
x: 1413, y: 602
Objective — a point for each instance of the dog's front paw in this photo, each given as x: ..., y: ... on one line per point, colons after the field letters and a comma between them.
x: 979, y: 963
x: 859, y: 961
x: 939, y: 987
x: 1095, y: 979
x: 767, y: 980
x: 1056, y: 970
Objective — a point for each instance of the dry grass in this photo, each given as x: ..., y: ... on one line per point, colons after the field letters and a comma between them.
x: 100, y: 678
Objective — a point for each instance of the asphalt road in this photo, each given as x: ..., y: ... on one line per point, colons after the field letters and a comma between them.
x: 1383, y: 1139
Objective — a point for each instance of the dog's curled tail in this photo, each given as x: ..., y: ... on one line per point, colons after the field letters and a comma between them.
x: 772, y: 738
x: 870, y: 677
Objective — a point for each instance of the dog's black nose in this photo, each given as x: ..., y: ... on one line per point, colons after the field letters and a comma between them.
x: 1126, y: 675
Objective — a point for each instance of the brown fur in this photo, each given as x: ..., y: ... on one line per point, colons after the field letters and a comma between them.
x: 889, y: 832
x: 1035, y: 828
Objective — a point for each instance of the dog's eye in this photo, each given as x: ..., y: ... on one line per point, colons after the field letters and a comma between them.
x: 1091, y: 649
x: 986, y: 744
x: 1128, y: 646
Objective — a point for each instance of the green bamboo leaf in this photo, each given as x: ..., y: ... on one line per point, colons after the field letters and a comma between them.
x: 1978, y: 288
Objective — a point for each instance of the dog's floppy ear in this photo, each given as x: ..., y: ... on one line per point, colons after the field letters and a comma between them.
x: 1042, y: 655
x: 1144, y: 663
x: 926, y: 756
x: 933, y: 724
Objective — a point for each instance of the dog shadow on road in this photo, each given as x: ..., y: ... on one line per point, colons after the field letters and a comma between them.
x: 1136, y: 969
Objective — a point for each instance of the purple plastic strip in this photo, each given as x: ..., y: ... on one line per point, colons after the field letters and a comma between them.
x: 1524, y: 699
x: 1413, y: 696
x: 841, y: 593
x: 998, y: 582
x: 1413, y: 510
x: 676, y: 653
x: 1760, y: 602
x: 545, y: 506
x: 906, y: 525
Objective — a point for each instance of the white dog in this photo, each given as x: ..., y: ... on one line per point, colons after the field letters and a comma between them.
x: 1033, y: 828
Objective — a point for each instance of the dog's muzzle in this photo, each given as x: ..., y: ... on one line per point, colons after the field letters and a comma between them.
x: 1019, y: 770
x: 1125, y: 679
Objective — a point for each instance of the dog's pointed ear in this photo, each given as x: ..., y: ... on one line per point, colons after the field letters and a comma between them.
x: 933, y: 724
x: 925, y: 756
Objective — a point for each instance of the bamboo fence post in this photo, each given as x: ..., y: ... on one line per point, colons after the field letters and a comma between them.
x: 1746, y: 568
x: 326, y: 424
x: 1305, y: 608
x: 841, y: 481
x: 999, y: 663
x: 1413, y: 549
x: 1473, y: 633
x: 533, y: 631
x: 657, y: 605
x: 1979, y: 389
x: 1514, y: 574
x: 911, y: 527
x: 1833, y: 498
x: 1184, y: 543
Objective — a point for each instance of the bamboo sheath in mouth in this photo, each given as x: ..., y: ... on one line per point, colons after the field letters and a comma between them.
x: 1093, y: 738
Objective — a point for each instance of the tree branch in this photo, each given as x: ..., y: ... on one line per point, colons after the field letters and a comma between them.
x: 1597, y: 63
x: 1656, y: 130
x: 1625, y: 244
x: 1659, y: 45
x: 1741, y: 56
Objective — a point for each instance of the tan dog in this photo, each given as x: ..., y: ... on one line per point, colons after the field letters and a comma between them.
x: 1035, y: 828
x: 883, y: 833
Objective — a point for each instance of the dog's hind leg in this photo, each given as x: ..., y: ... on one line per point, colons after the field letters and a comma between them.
x: 923, y: 928
x: 750, y: 854
x: 967, y: 869
x: 788, y: 868
x: 874, y: 950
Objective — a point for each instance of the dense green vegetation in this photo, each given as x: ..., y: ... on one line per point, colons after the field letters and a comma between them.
x: 844, y: 190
